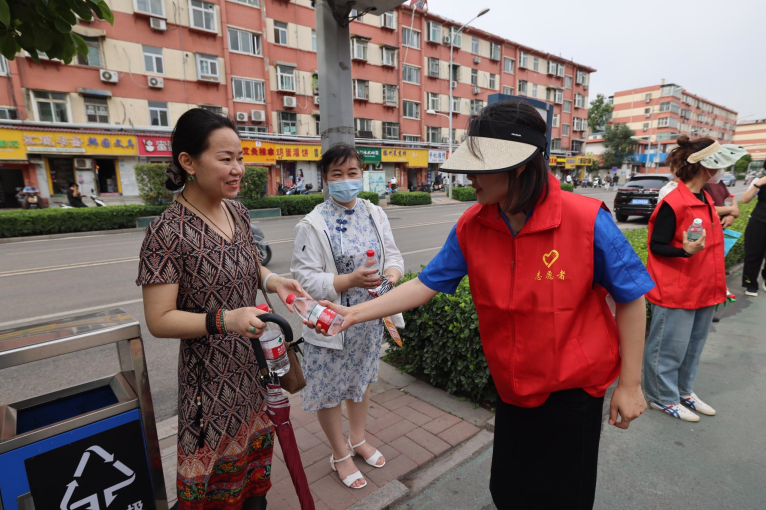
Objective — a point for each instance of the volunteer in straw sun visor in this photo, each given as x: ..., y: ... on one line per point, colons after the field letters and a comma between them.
x: 540, y: 263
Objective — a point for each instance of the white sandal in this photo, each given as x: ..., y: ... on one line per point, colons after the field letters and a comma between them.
x: 350, y: 478
x: 372, y: 460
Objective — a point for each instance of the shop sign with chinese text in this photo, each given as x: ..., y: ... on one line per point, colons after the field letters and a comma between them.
x: 155, y: 146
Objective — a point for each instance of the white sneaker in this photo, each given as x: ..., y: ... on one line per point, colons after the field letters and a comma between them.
x: 752, y: 293
x: 676, y: 411
x: 693, y: 402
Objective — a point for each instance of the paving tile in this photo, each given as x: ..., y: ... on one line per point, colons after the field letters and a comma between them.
x: 299, y: 417
x: 306, y: 440
x: 383, y: 422
x: 414, y: 416
x: 389, y: 452
x: 320, y: 435
x: 396, y: 403
x: 400, y: 466
x: 376, y: 410
x: 357, y: 494
x: 286, y: 491
x: 317, y: 470
x: 426, y: 409
x: 429, y: 441
x: 399, y: 429
x: 386, y: 396
x: 275, y: 501
x: 459, y: 433
x: 441, y: 424
x: 315, y: 454
x: 278, y: 470
x: 278, y: 449
x: 412, y: 450
x: 330, y: 494
x: 319, y: 505
x: 314, y: 427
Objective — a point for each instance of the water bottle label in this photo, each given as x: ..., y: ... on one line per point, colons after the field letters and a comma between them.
x: 323, y: 316
x: 274, y: 349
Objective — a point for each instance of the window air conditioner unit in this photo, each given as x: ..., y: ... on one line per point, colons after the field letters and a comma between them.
x: 648, y: 115
x: 646, y: 128
x: 445, y: 139
x: 289, y: 102
x: 158, y: 24
x: 476, y: 60
x: 83, y: 163
x: 156, y: 82
x: 648, y: 99
x: 257, y: 115
x: 316, y: 99
x: 476, y: 90
x: 585, y: 87
x: 108, y: 76
x: 454, y: 84
x: 447, y: 40
x: 241, y: 117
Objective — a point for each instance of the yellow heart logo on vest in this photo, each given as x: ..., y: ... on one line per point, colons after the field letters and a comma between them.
x: 553, y: 256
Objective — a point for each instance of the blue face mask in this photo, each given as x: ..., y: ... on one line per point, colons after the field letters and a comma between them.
x: 346, y: 190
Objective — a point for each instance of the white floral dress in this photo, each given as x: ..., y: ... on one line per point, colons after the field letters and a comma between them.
x: 336, y: 375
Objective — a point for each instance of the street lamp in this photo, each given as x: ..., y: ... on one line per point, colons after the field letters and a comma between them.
x: 451, y: 54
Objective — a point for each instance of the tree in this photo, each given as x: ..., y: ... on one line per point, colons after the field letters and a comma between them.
x: 618, y: 145
x: 599, y: 113
x: 740, y: 167
x: 46, y: 26
x: 595, y: 163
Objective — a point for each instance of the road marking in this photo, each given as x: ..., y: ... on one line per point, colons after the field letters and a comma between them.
x: 75, y: 247
x: 69, y: 266
x: 422, y: 224
x: 421, y: 251
x: 70, y: 312
x: 75, y: 237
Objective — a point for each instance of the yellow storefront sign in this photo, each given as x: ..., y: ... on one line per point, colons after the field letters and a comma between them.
x: 16, y: 143
x: 268, y: 153
x: 570, y: 163
x: 299, y: 152
x: 256, y: 151
x: 584, y: 160
x: 413, y: 157
x: 552, y: 161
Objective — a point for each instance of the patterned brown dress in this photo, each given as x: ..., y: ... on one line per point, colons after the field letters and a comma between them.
x: 228, y: 459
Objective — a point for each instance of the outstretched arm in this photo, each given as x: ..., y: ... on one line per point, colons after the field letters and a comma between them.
x: 628, y: 399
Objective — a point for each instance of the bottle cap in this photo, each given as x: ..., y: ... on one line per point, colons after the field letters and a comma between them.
x: 290, y: 299
x: 697, y: 221
x: 263, y: 307
x: 370, y: 253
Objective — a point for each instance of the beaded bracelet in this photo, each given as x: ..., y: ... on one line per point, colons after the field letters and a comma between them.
x: 218, y: 321
x: 223, y: 321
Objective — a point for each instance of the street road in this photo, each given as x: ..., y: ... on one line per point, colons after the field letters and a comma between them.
x: 48, y: 279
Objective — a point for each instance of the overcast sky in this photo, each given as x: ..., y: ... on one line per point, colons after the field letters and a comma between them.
x: 712, y: 48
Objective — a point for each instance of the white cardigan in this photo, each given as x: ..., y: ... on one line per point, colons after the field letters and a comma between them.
x: 313, y: 264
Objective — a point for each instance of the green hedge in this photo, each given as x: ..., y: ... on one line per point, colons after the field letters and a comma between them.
x: 371, y: 196
x: 464, y: 194
x: 411, y: 198
x: 289, y: 204
x: 442, y: 339
x: 740, y: 177
x: 62, y: 221
x: 254, y: 182
x: 567, y: 186
x: 151, y: 183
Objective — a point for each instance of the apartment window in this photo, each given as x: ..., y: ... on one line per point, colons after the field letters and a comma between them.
x: 434, y: 31
x: 492, y: 81
x: 507, y: 90
x: 317, y: 128
x: 411, y: 109
x: 552, y: 66
x: 556, y: 120
x: 523, y: 59
x: 534, y: 90
x: 389, y: 94
x: 494, y: 51
x: 455, y: 38
x: 567, y: 106
x: 556, y: 144
x: 474, y: 77
x: 153, y: 7
x: 280, y: 33
x: 668, y: 122
x: 433, y: 134
x: 244, y: 41
x: 388, y: 56
x: 361, y: 89
x: 576, y: 146
x: 93, y: 58
x: 456, y: 104
x: 390, y: 130
x: 410, y: 38
x: 286, y: 78
x: 411, y: 74
x: 253, y: 3
x: 9, y: 114
x: 159, y: 114
x: 561, y: 70
x: 363, y: 125
x: 522, y: 88
x: 582, y: 77
x: 313, y: 40
x: 579, y: 101
x: 96, y: 110
x: 455, y: 72
x: 508, y: 65
x: 536, y: 64
x: 411, y: 138
x: 251, y: 130
x: 648, y: 97
x: 359, y: 49
x: 387, y: 21
x: 474, y: 46
x: 433, y: 101
x: 568, y: 82
x: 550, y: 94
x: 433, y: 67
x: 153, y: 61
x: 288, y: 123
x: 559, y: 97
x: 207, y: 67
x: 565, y: 130
x: 3, y: 66
x: 203, y: 15
x: 477, y: 105
x: 213, y: 108
x: 576, y: 123
x: 250, y: 91
x: 646, y: 126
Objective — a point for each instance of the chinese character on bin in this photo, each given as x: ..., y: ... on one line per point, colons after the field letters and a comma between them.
x: 92, y: 141
x: 76, y: 142
x: 62, y: 140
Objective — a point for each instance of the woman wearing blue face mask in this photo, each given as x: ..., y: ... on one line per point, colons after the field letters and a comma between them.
x: 330, y: 261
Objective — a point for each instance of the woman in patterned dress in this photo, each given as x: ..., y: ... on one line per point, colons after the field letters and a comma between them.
x: 195, y: 259
x: 329, y: 259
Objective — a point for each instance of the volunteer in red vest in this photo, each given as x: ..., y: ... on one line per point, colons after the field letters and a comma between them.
x: 690, y: 276
x: 540, y: 263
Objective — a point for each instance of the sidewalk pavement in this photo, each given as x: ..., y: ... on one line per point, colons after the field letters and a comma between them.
x: 412, y: 423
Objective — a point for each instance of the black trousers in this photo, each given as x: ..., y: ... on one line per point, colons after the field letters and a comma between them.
x: 755, y: 250
x: 547, y: 457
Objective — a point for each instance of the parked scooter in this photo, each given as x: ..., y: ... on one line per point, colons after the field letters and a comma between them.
x: 98, y: 201
x: 264, y: 250
x: 307, y: 189
x: 32, y: 199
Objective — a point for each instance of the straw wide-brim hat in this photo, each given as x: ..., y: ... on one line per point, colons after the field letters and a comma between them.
x: 498, y: 147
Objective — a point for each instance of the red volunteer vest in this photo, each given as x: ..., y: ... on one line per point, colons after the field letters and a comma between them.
x: 689, y: 282
x: 543, y: 325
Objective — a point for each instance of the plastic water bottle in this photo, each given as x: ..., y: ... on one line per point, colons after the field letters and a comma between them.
x: 274, y: 348
x: 729, y: 201
x: 372, y: 262
x: 695, y: 231
x: 310, y: 310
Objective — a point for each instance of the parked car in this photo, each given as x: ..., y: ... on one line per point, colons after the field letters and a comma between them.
x: 729, y: 179
x: 639, y: 196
